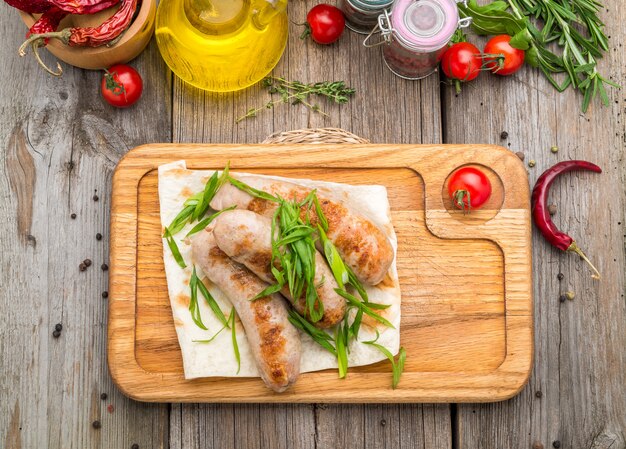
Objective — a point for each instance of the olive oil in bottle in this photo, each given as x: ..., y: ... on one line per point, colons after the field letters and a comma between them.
x: 222, y: 45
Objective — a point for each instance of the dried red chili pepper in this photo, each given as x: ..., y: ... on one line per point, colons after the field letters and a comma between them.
x: 47, y: 23
x: 31, y: 6
x: 83, y: 6
x: 541, y: 213
x: 103, y: 34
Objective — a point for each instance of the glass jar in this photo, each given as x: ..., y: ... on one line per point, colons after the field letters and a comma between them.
x: 416, y: 33
x: 362, y: 15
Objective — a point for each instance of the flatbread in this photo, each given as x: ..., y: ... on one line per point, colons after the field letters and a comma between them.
x: 176, y: 184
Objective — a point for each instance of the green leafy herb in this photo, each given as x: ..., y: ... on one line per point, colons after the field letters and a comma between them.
x: 252, y: 191
x: 295, y: 92
x: 213, y: 337
x: 318, y: 335
x: 367, y: 307
x: 231, y: 320
x: 560, y: 23
x: 275, y: 288
x: 339, y: 269
x: 209, y: 299
x: 341, y: 343
x: 174, y: 248
x: 194, y: 308
x: 397, y: 366
x: 206, y: 221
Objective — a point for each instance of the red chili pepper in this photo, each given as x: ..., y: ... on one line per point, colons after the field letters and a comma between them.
x: 47, y: 23
x: 103, y: 34
x: 83, y: 6
x: 541, y: 214
x: 31, y: 6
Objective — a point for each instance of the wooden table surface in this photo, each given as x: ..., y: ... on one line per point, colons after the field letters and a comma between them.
x: 60, y: 144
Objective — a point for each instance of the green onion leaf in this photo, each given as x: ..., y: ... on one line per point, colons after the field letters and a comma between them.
x: 211, y: 301
x: 212, y: 338
x: 397, y: 367
x: 341, y: 343
x: 366, y: 307
x: 251, y: 190
x: 206, y: 221
x: 181, y: 220
x: 231, y: 319
x: 267, y: 292
x: 320, y: 214
x: 335, y: 263
x: 193, y: 303
x: 318, y: 335
x: 174, y: 248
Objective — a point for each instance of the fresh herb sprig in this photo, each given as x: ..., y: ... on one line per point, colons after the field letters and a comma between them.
x: 195, y: 284
x: 533, y: 24
x: 397, y: 366
x: 194, y: 208
x: 233, y: 336
x: 296, y: 92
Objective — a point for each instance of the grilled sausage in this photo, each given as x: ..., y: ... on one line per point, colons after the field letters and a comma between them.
x: 245, y: 236
x: 274, y: 341
x: 361, y: 244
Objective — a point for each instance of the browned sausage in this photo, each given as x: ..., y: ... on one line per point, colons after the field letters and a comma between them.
x: 361, y: 244
x: 245, y: 236
x: 273, y: 340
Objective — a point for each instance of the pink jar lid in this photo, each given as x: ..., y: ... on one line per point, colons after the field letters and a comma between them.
x: 424, y: 25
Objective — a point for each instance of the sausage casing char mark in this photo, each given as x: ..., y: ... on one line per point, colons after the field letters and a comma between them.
x: 274, y: 341
x: 361, y: 244
x: 245, y: 236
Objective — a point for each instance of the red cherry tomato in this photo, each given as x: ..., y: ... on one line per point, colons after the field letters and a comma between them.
x: 469, y: 188
x: 121, y: 86
x: 513, y: 57
x: 325, y: 24
x: 462, y: 62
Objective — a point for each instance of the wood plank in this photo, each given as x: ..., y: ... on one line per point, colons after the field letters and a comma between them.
x: 411, y: 114
x: 580, y: 362
x: 61, y: 142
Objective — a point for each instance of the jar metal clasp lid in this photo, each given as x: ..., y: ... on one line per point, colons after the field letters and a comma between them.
x: 465, y: 21
x: 383, y: 27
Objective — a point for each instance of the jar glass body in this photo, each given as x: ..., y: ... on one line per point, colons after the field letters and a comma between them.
x: 362, y: 15
x: 408, y: 63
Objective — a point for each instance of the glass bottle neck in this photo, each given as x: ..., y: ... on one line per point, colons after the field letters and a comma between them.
x: 217, y: 16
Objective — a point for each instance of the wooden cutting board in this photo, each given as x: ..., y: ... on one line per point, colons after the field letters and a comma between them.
x: 467, y: 321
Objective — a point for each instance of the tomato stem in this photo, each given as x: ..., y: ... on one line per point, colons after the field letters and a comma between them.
x: 307, y: 31
x: 459, y: 200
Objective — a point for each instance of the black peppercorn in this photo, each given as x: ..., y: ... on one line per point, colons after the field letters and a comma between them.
x: 538, y: 394
x: 556, y: 444
x: 560, y: 276
x: 105, y: 294
x: 504, y: 135
x: 82, y: 267
x: 58, y: 327
x: 104, y: 267
x: 96, y: 424
x: 87, y: 262
x: 98, y: 236
x: 96, y: 198
x: 562, y: 298
x: 104, y: 396
x: 73, y: 216
x: 134, y: 446
x: 56, y: 334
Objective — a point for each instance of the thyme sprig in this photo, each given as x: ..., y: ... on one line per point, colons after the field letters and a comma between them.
x: 296, y: 92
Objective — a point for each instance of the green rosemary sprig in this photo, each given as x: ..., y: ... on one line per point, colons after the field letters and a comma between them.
x: 296, y: 92
x: 536, y: 23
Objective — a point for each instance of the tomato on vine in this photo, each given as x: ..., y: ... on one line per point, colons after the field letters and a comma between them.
x: 501, y: 58
x: 461, y: 63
